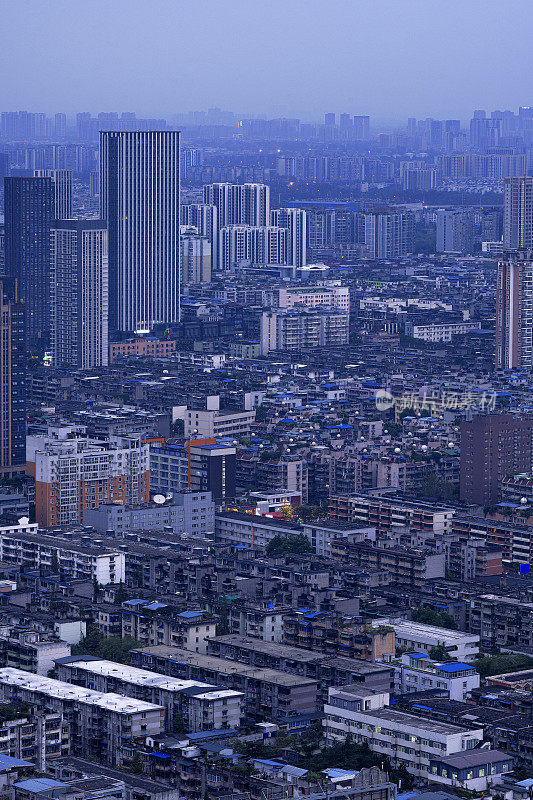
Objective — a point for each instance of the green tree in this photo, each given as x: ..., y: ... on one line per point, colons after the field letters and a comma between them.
x: 501, y: 663
x: 113, y: 648
x: 137, y: 766
x: 223, y: 622
x: 439, y: 653
x: 281, y: 545
x: 428, y: 616
x: 178, y: 723
x: 121, y: 594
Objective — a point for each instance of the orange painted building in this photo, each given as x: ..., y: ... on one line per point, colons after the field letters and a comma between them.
x: 73, y: 475
x: 152, y: 348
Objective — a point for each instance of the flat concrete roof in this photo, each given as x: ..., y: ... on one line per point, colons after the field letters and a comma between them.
x: 300, y: 654
x: 152, y: 680
x: 226, y: 666
x: 67, y: 691
x: 408, y: 627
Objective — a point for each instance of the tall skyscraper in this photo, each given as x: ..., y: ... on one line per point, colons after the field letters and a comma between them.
x: 79, y: 299
x: 514, y: 311
x: 518, y: 213
x: 140, y: 200
x: 62, y: 182
x: 295, y: 221
x: 12, y: 381
x: 29, y: 211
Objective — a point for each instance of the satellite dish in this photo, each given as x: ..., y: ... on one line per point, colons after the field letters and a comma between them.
x: 169, y: 495
x: 159, y: 499
x: 24, y: 520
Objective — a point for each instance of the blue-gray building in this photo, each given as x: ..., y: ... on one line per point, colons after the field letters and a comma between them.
x: 184, y: 512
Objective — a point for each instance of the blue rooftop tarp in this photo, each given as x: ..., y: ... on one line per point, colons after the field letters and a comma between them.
x: 455, y: 667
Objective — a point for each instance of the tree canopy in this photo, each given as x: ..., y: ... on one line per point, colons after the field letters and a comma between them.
x: 280, y: 545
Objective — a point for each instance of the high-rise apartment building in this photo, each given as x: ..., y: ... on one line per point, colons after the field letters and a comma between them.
x: 493, y: 446
x: 73, y: 473
x: 294, y: 220
x: 22, y: 125
x: 239, y: 204
x: 361, y: 125
x: 195, y: 257
x: 12, y: 380
x: 140, y: 200
x: 267, y: 245
x: 29, y: 211
x: 62, y: 182
x: 514, y: 311
x: 204, y: 218
x: 302, y: 329
x: 455, y: 231
x: 200, y: 465
x: 79, y: 295
x: 387, y: 234
x: 60, y: 126
x: 518, y: 213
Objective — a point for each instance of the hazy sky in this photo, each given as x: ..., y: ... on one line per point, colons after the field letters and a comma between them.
x: 388, y: 58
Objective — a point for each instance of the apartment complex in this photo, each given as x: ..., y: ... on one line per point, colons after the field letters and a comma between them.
x: 200, y: 465
x: 74, y: 473
x: 407, y: 739
x: 385, y: 513
x: 421, y: 638
x: 146, y: 347
x: 339, y: 634
x: 327, y: 668
x: 192, y: 512
x: 493, y: 446
x: 440, y: 332
x: 202, y: 706
x: 23, y: 544
x: 417, y: 672
x: 100, y: 723
x: 332, y: 297
x: 214, y: 423
x: 303, y: 329
x: 411, y: 566
x: 269, y: 694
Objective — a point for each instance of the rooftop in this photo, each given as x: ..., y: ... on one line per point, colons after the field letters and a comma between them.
x: 76, y: 694
x: 224, y: 666
x: 143, y: 677
x: 299, y: 654
x: 475, y: 758
x: 408, y: 627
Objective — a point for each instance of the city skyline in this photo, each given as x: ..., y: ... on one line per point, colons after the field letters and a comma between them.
x: 322, y: 56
